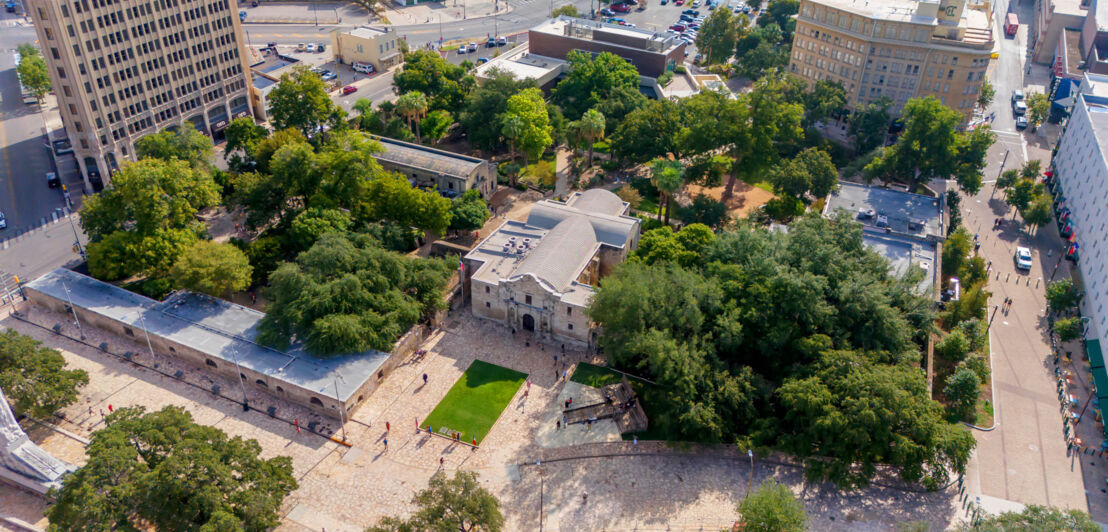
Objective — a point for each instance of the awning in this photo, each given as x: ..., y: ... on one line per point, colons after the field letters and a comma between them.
x: 1096, y: 357
x: 1100, y: 377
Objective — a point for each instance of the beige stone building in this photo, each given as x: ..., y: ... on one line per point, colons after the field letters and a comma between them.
x: 899, y: 49
x: 376, y: 46
x: 124, y: 69
x: 540, y: 275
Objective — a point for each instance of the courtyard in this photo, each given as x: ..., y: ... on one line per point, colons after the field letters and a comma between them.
x: 537, y: 471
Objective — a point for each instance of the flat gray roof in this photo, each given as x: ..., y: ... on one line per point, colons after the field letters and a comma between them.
x: 416, y: 156
x: 903, y: 212
x: 215, y: 327
x: 904, y: 253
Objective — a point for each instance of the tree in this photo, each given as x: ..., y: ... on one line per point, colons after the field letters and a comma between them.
x: 668, y: 176
x: 954, y: 346
x: 529, y: 108
x: 243, y: 135
x: 956, y: 251
x: 480, y: 116
x: 1069, y: 328
x: 150, y: 213
x: 468, y: 212
x: 211, y: 268
x: 810, y: 172
x: 1022, y: 193
x: 591, y: 128
x: 163, y: 471
x: 512, y: 127
x: 985, y: 97
x: 1061, y: 295
x: 647, y: 132
x: 780, y: 13
x: 368, y: 119
x: 869, y: 124
x: 34, y: 377
x: 311, y: 224
x: 1034, y: 517
x: 443, y: 83
x: 391, y: 197
x: 436, y: 124
x: 301, y: 102
x: 685, y: 248
x: 1039, y: 212
x: 186, y: 144
x: 766, y: 57
x: 717, y: 36
x: 706, y: 210
x: 412, y: 106
x: 458, y: 504
x: 630, y: 195
x: 1038, y: 108
x: 568, y: 10
x: 346, y: 294
x: 931, y: 147
x: 32, y: 71
x: 1007, y: 179
x: 622, y: 101
x: 1031, y: 169
x: 962, y: 389
x: 976, y: 333
x: 592, y: 80
x: 826, y: 99
x: 772, y: 508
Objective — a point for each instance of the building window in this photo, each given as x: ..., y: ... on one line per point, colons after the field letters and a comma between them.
x: 128, y: 331
x: 571, y: 326
x: 488, y: 305
x: 280, y: 390
x: 527, y: 299
x: 316, y: 401
x: 569, y: 311
x: 261, y: 383
x: 487, y: 290
x: 209, y: 362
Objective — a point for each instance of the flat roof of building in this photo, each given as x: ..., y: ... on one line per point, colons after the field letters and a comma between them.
x: 902, y: 212
x: 217, y: 328
x: 416, y: 156
x: 273, y: 63
x: 907, y: 11
x: 522, y: 64
x: 903, y: 253
x: 579, y: 28
x: 366, y: 32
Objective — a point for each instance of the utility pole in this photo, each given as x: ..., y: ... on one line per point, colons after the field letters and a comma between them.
x: 342, y: 406
x: 145, y: 330
x: 1002, y: 163
x: 315, y: 11
x: 235, y: 357
x: 991, y: 318
x: 73, y: 309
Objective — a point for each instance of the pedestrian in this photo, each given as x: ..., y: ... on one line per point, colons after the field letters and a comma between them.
x: 417, y: 429
x: 569, y: 402
x: 110, y: 409
x: 563, y: 374
x: 563, y: 348
x: 424, y: 378
x: 429, y: 431
x: 584, y: 497
x: 296, y: 423
x: 555, y: 360
x: 558, y: 425
x: 253, y: 297
x: 634, y: 440
x: 475, y: 441
x: 386, y: 444
x: 975, y: 237
x: 387, y: 426
x: 90, y: 410
x: 101, y: 412
x: 528, y: 384
x: 441, y: 464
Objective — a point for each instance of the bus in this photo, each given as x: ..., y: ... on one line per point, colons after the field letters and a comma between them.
x: 27, y: 95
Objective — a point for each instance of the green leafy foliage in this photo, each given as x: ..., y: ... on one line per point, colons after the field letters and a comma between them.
x: 186, y: 144
x: 810, y: 173
x: 1038, y: 107
x: 826, y: 99
x: 593, y: 80
x: 147, y: 218
x: 668, y: 176
x: 932, y: 147
x: 445, y: 84
x: 484, y: 105
x: 568, y: 10
x: 528, y: 123
x: 647, y: 132
x: 978, y: 364
x: 869, y: 124
x: 956, y: 251
x: 962, y: 389
x: 813, y: 314
x: 448, y: 505
x: 161, y: 470
x: 32, y: 71
x: 705, y: 210
x: 986, y: 94
x: 772, y: 508
x: 468, y: 212
x: 436, y: 124
x: 1035, y: 517
x: 347, y: 294
x: 1062, y: 295
x: 1069, y: 329
x: 315, y: 222
x: 974, y: 331
x: 954, y: 346
x: 412, y: 105
x: 243, y: 136
x: 717, y: 36
x: 211, y: 268
x: 34, y: 377
x: 301, y: 102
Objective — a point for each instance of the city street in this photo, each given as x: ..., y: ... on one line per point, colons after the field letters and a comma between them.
x: 1023, y: 459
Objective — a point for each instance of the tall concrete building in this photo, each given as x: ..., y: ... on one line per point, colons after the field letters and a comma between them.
x: 899, y: 49
x: 123, y: 69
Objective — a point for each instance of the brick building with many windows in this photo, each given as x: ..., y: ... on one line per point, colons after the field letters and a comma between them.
x: 896, y: 49
x: 123, y: 69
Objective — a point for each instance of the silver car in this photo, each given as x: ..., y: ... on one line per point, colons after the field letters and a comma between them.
x: 1023, y: 258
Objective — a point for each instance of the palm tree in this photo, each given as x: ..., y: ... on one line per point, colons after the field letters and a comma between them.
x: 512, y: 129
x: 512, y: 169
x: 592, y: 128
x: 668, y: 176
x: 412, y: 105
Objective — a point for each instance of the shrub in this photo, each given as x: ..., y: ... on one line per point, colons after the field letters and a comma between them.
x: 1061, y: 295
x: 1068, y: 328
x: 953, y: 346
x: 609, y: 166
x: 680, y: 69
x: 978, y: 364
x: 974, y: 331
x: 962, y: 390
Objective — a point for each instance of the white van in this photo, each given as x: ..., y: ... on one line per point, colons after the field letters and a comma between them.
x: 363, y: 67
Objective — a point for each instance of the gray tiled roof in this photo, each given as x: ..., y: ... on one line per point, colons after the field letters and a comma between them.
x: 561, y: 253
x: 611, y: 230
x: 599, y: 201
x: 215, y: 327
x: 430, y: 159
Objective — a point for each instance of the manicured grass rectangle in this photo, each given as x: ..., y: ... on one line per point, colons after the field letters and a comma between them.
x: 595, y: 376
x: 475, y: 402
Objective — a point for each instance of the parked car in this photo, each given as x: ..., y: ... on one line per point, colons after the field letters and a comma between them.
x: 1019, y: 107
x: 501, y: 41
x: 52, y: 180
x: 327, y: 75
x: 461, y: 49
x: 694, y: 25
x: 1023, y: 258
x: 242, y: 16
x: 692, y: 12
x: 1021, y: 122
x: 631, y: 2
x: 473, y: 47
x: 320, y: 47
x: 482, y: 60
x: 621, y: 8
x: 746, y: 10
x: 3, y: 221
x: 686, y: 18
x: 491, y: 43
x: 1017, y: 96
x: 664, y: 2
x: 607, y: 12
x: 311, y: 48
x: 617, y: 21
x: 349, y: 89
x: 678, y: 2
x: 300, y: 47
x: 696, y: 3
x: 363, y: 67
x: 678, y: 28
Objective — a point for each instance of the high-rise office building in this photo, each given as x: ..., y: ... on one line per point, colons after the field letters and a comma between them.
x: 896, y: 49
x: 123, y: 69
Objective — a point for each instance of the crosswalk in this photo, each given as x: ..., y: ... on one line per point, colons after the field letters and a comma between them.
x: 12, y: 235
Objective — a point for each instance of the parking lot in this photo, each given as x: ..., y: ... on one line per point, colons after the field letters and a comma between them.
x: 656, y: 16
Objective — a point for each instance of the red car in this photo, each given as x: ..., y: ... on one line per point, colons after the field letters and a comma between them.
x: 349, y: 89
x: 678, y: 2
x: 678, y: 28
x: 621, y: 8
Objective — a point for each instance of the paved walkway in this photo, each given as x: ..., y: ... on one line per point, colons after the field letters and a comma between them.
x: 642, y: 487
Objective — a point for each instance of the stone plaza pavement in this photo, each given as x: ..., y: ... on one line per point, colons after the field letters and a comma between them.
x: 644, y: 486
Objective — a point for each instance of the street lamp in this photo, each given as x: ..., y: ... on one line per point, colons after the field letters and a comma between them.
x: 991, y: 318
x: 750, y: 481
x: 342, y: 406
x: 1001, y: 171
x: 235, y: 357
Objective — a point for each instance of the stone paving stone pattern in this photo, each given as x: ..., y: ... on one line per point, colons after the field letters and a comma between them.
x: 647, y: 486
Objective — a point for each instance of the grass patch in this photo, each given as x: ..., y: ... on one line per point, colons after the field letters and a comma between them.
x: 475, y: 402
x: 595, y: 376
x: 764, y: 186
x: 449, y: 48
x: 648, y: 205
x: 601, y: 146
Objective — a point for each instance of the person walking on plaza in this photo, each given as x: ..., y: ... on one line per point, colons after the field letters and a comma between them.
x: 425, y: 379
x: 386, y: 444
x: 387, y: 427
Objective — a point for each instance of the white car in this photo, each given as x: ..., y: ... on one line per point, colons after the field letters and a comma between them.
x: 311, y: 48
x: 1023, y: 258
x: 3, y: 221
x: 1019, y: 107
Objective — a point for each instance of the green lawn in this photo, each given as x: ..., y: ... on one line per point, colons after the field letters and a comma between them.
x: 475, y: 402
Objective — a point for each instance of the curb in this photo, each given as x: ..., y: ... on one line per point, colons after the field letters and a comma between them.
x: 992, y: 387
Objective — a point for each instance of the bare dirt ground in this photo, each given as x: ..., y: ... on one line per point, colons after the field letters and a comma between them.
x: 745, y: 199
